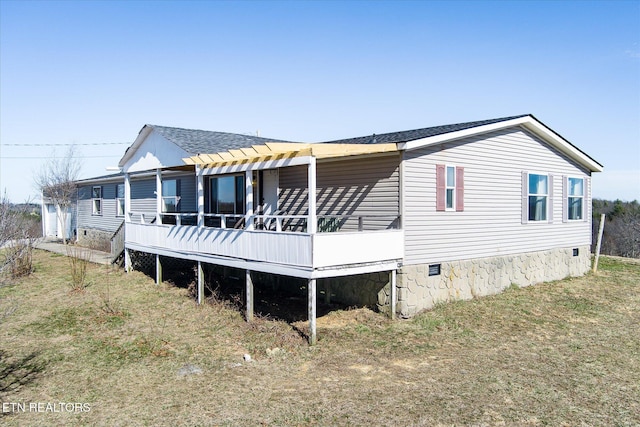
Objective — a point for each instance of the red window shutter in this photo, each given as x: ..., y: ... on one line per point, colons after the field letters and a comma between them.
x: 440, y: 188
x: 459, y: 189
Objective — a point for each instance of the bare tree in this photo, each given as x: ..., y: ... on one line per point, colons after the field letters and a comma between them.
x: 57, y: 182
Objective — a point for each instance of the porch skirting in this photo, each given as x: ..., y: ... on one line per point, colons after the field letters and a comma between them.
x: 466, y: 279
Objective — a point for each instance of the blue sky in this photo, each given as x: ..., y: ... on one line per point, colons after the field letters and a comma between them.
x: 95, y: 72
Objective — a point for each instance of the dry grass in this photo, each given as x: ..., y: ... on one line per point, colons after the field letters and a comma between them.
x: 563, y: 353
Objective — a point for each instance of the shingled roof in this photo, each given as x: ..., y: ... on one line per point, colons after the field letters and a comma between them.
x: 411, y: 135
x: 196, y: 141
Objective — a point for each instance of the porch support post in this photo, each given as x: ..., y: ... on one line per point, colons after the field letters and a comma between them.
x: 127, y: 218
x: 312, y: 312
x: 158, y: 195
x: 127, y: 260
x: 200, y: 195
x: 312, y: 221
x: 158, y: 270
x: 200, y: 283
x: 248, y: 184
x: 392, y: 283
x: 127, y: 198
x: 249, y: 293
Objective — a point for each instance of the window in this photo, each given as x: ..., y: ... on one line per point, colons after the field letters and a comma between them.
x: 120, y: 200
x: 538, y: 193
x: 575, y: 198
x: 449, y: 188
x: 227, y: 195
x: 171, y: 195
x: 96, y: 200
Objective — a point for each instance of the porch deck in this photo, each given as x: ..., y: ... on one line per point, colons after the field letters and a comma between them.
x: 300, y: 254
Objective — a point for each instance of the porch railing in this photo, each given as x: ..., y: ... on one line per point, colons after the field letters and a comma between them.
x: 276, y: 222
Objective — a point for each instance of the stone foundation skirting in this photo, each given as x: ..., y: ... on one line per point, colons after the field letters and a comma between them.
x: 95, y: 239
x: 462, y: 280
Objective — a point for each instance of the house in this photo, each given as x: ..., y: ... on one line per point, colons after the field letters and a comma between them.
x: 100, y: 212
x: 57, y: 222
x: 407, y: 219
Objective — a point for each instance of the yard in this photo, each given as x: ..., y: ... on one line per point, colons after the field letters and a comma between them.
x: 129, y: 352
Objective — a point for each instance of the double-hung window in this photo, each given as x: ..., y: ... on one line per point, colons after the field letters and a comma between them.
x: 575, y: 198
x: 538, y: 195
x: 450, y: 191
x: 119, y: 199
x: 171, y: 196
x: 449, y: 188
x: 96, y: 200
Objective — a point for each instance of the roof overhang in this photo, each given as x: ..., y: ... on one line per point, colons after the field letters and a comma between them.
x: 528, y: 122
x: 281, y: 151
x: 142, y: 135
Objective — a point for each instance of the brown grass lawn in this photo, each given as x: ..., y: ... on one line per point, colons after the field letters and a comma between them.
x: 562, y: 353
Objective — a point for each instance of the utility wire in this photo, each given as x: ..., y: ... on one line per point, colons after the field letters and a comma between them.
x: 62, y: 145
x: 52, y: 157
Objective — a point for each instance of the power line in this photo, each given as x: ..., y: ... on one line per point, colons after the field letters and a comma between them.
x: 52, y: 157
x: 62, y: 145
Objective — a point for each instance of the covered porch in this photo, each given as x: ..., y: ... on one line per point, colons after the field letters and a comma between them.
x: 288, y: 212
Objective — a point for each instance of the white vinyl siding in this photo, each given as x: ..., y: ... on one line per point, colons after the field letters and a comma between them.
x: 492, y: 221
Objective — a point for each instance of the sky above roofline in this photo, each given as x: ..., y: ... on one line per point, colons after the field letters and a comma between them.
x: 92, y: 73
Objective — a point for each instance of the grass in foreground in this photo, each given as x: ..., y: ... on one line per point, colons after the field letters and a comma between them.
x: 562, y: 353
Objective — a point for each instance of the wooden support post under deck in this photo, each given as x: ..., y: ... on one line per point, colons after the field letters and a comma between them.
x: 200, y: 283
x: 158, y: 270
x: 394, y: 297
x: 312, y: 312
x: 249, y: 293
x: 127, y: 260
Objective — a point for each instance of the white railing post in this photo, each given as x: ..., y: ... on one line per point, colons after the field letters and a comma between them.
x: 200, y: 196
x: 127, y: 197
x: 312, y: 222
x: 248, y: 194
x: 158, y: 196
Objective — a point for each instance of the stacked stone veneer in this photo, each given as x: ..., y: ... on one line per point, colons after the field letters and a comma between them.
x: 484, y: 276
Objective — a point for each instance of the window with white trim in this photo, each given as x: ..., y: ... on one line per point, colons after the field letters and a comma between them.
x: 171, y: 196
x: 96, y: 200
x: 575, y: 199
x: 119, y: 199
x: 449, y: 188
x: 538, y: 194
